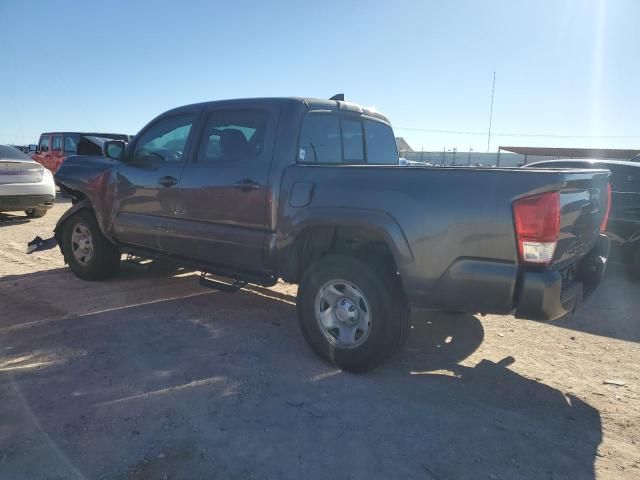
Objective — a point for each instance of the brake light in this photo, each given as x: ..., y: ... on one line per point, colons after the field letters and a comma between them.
x: 605, y: 219
x: 537, y: 222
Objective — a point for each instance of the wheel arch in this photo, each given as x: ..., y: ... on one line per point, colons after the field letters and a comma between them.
x: 356, y: 231
x: 84, y: 204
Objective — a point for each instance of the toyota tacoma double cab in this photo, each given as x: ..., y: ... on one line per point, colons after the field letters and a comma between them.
x: 310, y: 191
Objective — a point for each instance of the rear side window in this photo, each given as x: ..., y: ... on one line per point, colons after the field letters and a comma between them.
x: 232, y: 135
x: 44, y: 144
x: 56, y: 143
x: 381, y: 144
x: 320, y: 139
x: 71, y: 143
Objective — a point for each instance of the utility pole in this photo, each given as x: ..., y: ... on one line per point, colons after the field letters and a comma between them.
x: 493, y: 88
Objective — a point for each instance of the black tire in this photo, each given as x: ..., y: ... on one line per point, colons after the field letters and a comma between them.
x: 36, y: 212
x: 390, y: 319
x: 105, y: 257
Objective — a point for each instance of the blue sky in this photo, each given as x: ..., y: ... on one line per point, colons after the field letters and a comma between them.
x: 564, y: 67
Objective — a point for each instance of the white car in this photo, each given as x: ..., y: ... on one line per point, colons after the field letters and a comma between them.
x: 25, y: 185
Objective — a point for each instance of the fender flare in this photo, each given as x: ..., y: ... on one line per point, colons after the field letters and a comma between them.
x: 379, y: 222
x: 84, y: 204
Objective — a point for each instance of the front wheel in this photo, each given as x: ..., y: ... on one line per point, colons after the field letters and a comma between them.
x: 89, y: 254
x: 350, y: 313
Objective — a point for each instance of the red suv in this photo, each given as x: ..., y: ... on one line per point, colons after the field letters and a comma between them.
x: 54, y: 147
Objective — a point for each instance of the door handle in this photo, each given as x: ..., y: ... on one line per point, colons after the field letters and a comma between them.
x: 167, y: 181
x: 246, y: 185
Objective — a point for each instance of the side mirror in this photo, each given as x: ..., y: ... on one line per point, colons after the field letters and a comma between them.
x: 32, y: 147
x: 113, y: 149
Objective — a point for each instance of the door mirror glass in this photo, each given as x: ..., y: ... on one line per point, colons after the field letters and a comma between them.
x: 33, y: 147
x: 113, y: 149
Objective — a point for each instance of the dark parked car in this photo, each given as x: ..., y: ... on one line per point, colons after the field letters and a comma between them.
x: 310, y: 191
x: 624, y: 221
x: 54, y: 147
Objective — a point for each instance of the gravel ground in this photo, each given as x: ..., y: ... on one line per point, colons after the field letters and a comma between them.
x: 150, y: 376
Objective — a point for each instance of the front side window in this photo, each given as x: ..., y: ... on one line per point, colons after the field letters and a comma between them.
x: 44, y: 144
x: 381, y: 144
x: 320, y: 139
x: 71, y: 143
x: 56, y: 143
x: 165, y: 140
x: 232, y: 135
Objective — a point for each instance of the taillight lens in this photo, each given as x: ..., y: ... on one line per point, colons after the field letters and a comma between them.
x: 605, y: 219
x: 537, y: 222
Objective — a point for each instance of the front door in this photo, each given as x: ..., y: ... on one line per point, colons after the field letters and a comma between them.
x: 55, y: 158
x: 146, y: 196
x: 223, y: 192
x: 42, y: 153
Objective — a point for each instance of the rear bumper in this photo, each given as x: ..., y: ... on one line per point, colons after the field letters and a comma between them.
x: 13, y: 203
x: 547, y: 295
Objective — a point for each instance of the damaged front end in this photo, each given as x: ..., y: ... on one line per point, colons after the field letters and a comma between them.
x: 87, y: 180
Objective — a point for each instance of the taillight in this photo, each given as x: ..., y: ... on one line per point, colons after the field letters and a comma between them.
x: 537, y: 222
x: 605, y: 219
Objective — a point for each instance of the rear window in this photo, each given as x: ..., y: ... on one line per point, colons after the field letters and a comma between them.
x: 352, y: 145
x: 381, y: 144
x: 334, y: 139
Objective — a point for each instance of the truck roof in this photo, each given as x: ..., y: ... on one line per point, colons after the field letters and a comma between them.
x: 91, y: 134
x: 312, y: 104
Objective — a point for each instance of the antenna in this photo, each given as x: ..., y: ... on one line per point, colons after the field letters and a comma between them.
x: 493, y: 88
x: 338, y: 97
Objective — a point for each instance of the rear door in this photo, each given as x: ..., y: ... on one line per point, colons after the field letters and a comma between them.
x: 223, y: 191
x: 146, y: 196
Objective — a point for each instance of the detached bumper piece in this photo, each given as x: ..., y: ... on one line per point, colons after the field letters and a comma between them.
x: 547, y: 295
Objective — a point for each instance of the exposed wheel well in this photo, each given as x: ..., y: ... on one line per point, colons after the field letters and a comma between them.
x: 314, y: 242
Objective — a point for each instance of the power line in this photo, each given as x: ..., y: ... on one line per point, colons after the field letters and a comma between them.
x: 493, y: 89
x: 528, y: 135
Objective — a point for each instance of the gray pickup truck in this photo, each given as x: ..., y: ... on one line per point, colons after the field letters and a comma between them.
x: 310, y: 191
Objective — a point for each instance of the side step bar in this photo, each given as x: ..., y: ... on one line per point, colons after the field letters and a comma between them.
x: 221, y: 286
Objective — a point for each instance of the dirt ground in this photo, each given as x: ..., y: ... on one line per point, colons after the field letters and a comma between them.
x: 150, y: 376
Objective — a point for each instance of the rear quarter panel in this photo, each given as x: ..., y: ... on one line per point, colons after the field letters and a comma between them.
x: 455, y: 221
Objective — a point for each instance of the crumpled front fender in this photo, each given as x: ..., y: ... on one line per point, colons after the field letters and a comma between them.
x: 84, y: 204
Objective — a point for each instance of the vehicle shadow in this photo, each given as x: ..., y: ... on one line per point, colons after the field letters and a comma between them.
x: 7, y: 219
x: 612, y: 310
x: 222, y: 385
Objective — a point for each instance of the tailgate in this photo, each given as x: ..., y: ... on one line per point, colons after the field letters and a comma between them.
x: 583, y: 205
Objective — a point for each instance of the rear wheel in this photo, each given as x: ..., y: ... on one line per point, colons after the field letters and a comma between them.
x: 35, y: 212
x: 89, y: 254
x: 351, y: 314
